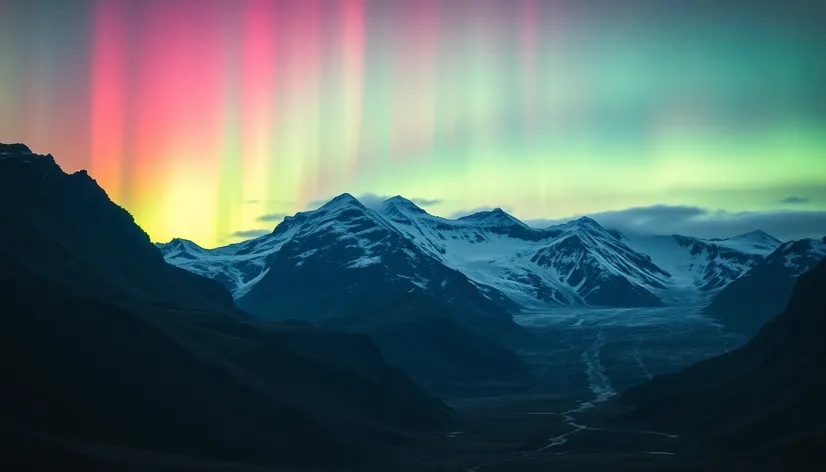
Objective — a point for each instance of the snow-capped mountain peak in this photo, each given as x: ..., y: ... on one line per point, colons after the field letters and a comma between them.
x: 582, y: 224
x: 704, y: 265
x: 347, y: 217
x: 495, y: 217
x: 343, y: 200
x: 757, y: 235
x: 587, y: 221
x: 799, y: 256
x: 399, y: 206
x: 599, y: 267
x: 763, y: 291
x: 754, y: 242
x: 181, y: 248
x: 572, y: 263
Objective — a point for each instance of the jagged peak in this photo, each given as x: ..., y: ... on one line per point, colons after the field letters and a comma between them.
x: 799, y: 245
x: 587, y: 221
x: 181, y: 243
x: 399, y: 200
x: 496, y: 213
x: 19, y: 158
x: 14, y: 148
x: 345, y: 200
x: 583, y: 223
x: 21, y: 153
x: 399, y: 203
x: 757, y: 234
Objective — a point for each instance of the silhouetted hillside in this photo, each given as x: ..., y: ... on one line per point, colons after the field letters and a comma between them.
x: 765, y: 396
x: 67, y: 230
x: 763, y: 292
x: 105, y: 344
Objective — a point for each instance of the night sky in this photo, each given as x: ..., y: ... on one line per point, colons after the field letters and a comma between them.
x: 211, y: 119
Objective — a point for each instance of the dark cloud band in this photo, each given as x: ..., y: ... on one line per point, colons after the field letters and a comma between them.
x: 705, y: 223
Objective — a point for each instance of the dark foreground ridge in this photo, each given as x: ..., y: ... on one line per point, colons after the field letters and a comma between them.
x: 766, y: 397
x: 764, y: 291
x: 111, y: 356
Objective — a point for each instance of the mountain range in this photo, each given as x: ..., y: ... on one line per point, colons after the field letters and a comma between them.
x: 577, y: 263
x: 483, y: 259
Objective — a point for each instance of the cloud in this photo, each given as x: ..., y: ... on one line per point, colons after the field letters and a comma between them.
x: 371, y: 200
x: 251, y: 233
x: 426, y: 202
x: 794, y: 200
x: 271, y: 217
x: 313, y: 204
x: 466, y: 212
x: 706, y: 223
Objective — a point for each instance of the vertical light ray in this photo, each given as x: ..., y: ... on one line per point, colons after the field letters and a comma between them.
x: 187, y: 110
x: 232, y: 206
x: 108, y: 82
x: 259, y: 105
x: 353, y: 38
x: 412, y: 133
x: 311, y: 52
x: 528, y: 30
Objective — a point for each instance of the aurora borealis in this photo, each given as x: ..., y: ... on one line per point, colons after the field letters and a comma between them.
x: 201, y: 116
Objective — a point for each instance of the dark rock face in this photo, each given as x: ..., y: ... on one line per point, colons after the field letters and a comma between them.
x: 14, y: 149
x: 425, y: 338
x: 93, y: 371
x: 106, y: 343
x: 67, y: 230
x: 766, y: 396
x: 763, y: 292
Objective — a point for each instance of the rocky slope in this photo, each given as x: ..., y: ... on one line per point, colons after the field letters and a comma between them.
x: 109, y: 346
x: 765, y: 397
x: 764, y: 290
x: 348, y: 268
x: 703, y: 266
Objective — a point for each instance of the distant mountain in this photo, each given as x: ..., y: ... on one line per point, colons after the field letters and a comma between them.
x: 576, y: 263
x: 237, y: 267
x: 763, y: 292
x: 754, y: 242
x: 488, y: 247
x: 764, y: 397
x: 516, y: 266
x: 600, y: 268
x: 349, y: 268
x: 702, y: 266
x: 109, y: 346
